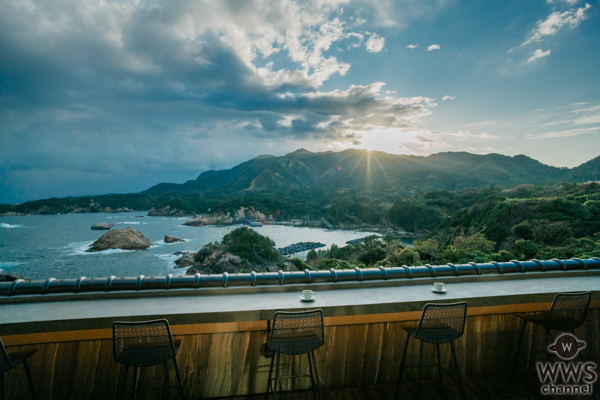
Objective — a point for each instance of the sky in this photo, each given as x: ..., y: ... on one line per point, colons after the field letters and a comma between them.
x: 116, y: 96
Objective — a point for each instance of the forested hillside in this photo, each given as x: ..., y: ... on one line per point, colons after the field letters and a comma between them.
x: 347, y: 188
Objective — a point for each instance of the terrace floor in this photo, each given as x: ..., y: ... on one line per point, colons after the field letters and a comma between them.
x: 525, y: 386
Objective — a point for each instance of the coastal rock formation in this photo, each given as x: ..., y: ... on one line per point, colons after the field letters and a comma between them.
x: 12, y: 214
x: 167, y: 211
x: 102, y: 225
x: 10, y: 277
x: 172, y: 239
x: 211, y: 259
x: 77, y: 208
x: 187, y: 260
x: 210, y: 219
x: 126, y: 239
x: 116, y: 210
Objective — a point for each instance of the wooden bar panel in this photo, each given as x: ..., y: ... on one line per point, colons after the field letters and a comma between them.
x: 229, y: 363
x: 246, y: 326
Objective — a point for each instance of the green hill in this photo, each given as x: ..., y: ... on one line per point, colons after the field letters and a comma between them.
x: 371, y: 172
x: 351, y: 185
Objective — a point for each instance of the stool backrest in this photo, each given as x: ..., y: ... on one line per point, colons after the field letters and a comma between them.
x: 568, y: 311
x: 442, y: 323
x: 5, y: 363
x: 297, y: 332
x: 143, y: 343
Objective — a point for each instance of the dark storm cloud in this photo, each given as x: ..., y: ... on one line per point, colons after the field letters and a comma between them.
x: 125, y: 94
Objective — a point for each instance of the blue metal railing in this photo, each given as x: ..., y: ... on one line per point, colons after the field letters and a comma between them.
x: 112, y: 283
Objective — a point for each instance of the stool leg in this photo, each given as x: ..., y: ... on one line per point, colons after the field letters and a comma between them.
x: 276, y: 375
x: 402, y: 365
x: 28, y: 373
x: 420, y: 368
x: 178, y: 379
x: 462, y: 391
x: 439, y: 359
x: 270, y: 374
x: 166, y: 384
x: 312, y: 379
x: 122, y: 381
x: 135, y: 370
x: 316, y: 375
x: 519, y: 340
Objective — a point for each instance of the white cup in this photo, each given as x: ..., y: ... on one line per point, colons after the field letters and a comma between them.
x: 308, y: 294
x: 439, y: 286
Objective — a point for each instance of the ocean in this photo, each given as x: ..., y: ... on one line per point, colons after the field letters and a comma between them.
x: 53, y: 246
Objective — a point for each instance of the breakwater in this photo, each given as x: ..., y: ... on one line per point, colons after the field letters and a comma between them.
x: 299, y: 247
x: 356, y: 241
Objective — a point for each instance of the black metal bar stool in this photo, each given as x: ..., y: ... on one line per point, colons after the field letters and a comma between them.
x: 143, y: 344
x: 567, y: 313
x: 296, y: 333
x: 440, y: 323
x: 12, y: 360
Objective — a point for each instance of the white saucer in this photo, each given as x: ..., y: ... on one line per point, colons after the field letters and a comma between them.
x: 302, y: 298
x: 438, y: 291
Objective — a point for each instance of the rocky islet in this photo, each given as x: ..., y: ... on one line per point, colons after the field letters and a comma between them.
x: 125, y: 239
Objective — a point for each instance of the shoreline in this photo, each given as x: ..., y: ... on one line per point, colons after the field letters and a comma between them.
x: 305, y: 224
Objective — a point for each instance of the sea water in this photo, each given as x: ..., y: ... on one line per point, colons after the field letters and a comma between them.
x: 45, y: 246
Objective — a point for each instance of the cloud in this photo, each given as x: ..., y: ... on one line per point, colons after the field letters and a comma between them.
x: 484, y: 123
x: 465, y: 134
x: 555, y: 21
x: 359, y: 36
x: 586, y: 115
x: 538, y: 54
x: 412, y: 46
x: 448, y: 98
x: 375, y: 43
x: 117, y: 96
x: 565, y: 133
x: 574, y: 113
x: 433, y: 47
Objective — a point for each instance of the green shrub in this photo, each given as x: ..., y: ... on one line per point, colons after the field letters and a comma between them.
x: 405, y: 256
x: 299, y: 264
x: 502, y: 256
x: 527, y: 249
x: 251, y: 246
x: 372, y: 255
x: 524, y: 231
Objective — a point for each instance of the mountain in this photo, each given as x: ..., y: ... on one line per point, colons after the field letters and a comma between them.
x: 350, y: 187
x: 589, y: 171
x: 377, y: 173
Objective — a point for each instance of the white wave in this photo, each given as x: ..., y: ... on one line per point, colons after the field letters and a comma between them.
x: 132, y: 223
x: 11, y: 264
x: 110, y: 251
x: 79, y: 249
x: 168, y: 257
x: 179, y: 272
x: 163, y: 243
x: 5, y: 225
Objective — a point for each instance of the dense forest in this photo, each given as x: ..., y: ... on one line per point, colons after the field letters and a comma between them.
x: 348, y: 187
x: 472, y: 225
x: 480, y: 225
